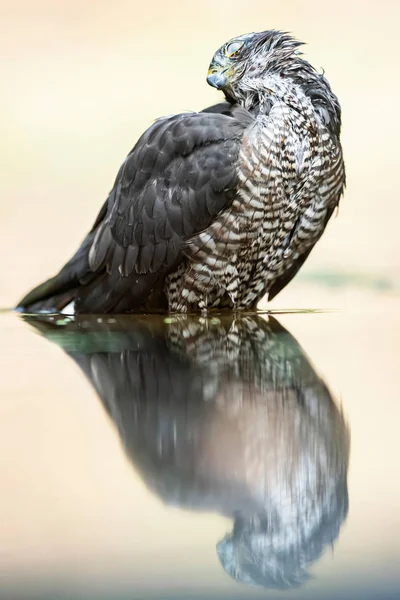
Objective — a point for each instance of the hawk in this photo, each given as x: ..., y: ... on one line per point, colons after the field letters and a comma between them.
x: 218, y: 208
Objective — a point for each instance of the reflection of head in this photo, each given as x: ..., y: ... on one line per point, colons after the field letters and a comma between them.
x: 229, y: 416
x: 264, y: 551
x: 305, y: 494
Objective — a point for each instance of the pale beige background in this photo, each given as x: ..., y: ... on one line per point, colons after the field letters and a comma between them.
x: 82, y: 80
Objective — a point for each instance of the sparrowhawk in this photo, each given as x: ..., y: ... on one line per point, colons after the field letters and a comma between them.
x: 215, y: 209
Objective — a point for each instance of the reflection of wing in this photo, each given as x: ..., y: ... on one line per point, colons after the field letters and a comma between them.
x: 227, y: 415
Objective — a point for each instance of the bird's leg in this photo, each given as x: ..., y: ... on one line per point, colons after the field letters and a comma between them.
x: 231, y: 281
x: 203, y: 305
x: 203, y: 310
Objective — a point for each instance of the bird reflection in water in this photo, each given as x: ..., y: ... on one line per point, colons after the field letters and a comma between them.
x: 227, y: 415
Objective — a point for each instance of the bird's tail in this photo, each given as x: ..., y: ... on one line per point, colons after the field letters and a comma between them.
x: 56, y: 293
x: 94, y: 292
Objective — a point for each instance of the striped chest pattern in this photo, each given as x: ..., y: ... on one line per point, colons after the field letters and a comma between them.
x: 290, y: 173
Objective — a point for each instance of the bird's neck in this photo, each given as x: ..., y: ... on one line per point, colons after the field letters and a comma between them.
x: 313, y: 94
x: 262, y: 94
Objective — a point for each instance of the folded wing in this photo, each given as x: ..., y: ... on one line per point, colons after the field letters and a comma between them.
x: 175, y: 181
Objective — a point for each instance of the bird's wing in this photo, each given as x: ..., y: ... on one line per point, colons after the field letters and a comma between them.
x: 178, y: 177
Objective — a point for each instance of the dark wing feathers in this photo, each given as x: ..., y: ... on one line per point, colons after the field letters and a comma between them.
x: 178, y: 177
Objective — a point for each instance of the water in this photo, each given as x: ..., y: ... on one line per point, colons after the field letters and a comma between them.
x: 221, y: 457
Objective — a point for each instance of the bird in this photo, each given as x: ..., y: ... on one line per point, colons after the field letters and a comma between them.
x: 219, y: 208
x: 223, y: 414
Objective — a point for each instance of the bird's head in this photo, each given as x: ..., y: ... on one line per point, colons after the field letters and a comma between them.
x: 244, y: 62
x: 258, y: 64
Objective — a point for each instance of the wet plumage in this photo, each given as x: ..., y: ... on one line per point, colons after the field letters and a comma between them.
x: 217, y: 208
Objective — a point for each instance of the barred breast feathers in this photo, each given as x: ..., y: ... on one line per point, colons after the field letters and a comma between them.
x: 290, y: 172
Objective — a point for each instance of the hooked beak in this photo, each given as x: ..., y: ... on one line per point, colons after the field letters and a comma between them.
x: 217, y: 78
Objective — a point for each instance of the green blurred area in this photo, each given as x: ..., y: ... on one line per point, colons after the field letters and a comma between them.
x: 339, y: 279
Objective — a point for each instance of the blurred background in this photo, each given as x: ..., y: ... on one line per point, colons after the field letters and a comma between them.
x: 82, y: 80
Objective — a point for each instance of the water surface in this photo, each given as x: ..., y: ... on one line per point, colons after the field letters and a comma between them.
x: 189, y: 457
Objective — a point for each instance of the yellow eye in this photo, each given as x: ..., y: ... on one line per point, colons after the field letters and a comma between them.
x: 233, y: 48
